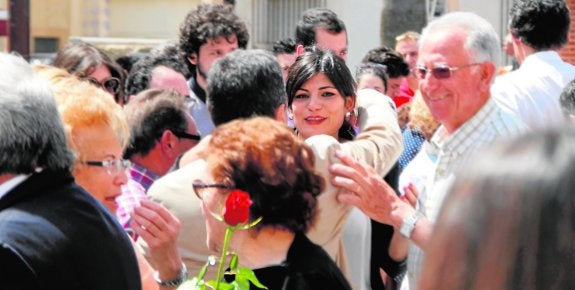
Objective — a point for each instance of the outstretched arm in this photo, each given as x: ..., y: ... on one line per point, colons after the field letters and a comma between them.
x: 366, y: 190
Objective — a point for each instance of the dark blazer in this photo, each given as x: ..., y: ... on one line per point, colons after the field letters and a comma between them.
x: 54, y: 235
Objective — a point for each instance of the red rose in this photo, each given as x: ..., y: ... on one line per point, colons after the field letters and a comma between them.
x: 237, y: 208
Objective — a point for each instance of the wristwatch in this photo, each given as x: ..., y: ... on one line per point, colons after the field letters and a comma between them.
x: 181, y: 278
x: 408, y: 224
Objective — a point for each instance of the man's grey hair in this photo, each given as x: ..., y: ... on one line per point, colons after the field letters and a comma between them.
x: 31, y: 132
x: 482, y: 40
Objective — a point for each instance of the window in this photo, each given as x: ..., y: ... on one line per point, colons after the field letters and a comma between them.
x: 276, y: 19
x: 45, y: 44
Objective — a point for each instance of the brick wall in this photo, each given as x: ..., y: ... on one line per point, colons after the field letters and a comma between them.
x: 568, y: 52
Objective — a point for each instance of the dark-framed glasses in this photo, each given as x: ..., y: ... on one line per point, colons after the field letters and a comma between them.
x: 187, y: 135
x: 113, y: 166
x: 440, y: 71
x: 198, y: 185
x: 110, y: 84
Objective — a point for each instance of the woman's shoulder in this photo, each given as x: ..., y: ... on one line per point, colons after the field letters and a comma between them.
x: 307, y: 266
x: 323, y: 147
x: 310, y: 267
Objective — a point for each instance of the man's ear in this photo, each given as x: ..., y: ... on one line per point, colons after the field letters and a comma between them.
x: 299, y: 49
x: 193, y: 58
x: 488, y: 71
x: 281, y: 114
x: 168, y: 142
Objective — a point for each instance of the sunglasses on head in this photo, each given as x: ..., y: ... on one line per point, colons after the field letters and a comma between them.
x: 439, y: 72
x: 110, y: 85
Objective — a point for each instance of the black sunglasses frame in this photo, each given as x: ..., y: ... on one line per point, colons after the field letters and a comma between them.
x: 187, y: 135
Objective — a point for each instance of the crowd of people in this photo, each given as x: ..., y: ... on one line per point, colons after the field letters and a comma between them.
x: 429, y: 168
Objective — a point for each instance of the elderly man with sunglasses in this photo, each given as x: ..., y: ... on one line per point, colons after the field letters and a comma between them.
x: 161, y: 131
x: 456, y: 65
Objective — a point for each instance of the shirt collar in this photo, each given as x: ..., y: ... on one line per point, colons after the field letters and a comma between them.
x: 11, y: 183
x: 541, y: 56
x: 197, y: 90
x: 447, y: 142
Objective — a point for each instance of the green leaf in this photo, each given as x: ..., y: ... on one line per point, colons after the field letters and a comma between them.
x: 192, y: 284
x: 245, y: 274
x: 234, y: 262
x: 242, y: 284
x: 223, y: 285
x: 203, y: 270
x: 252, y: 224
x: 217, y: 216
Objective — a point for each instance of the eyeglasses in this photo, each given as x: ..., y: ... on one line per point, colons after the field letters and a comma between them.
x: 197, y: 185
x: 110, y: 85
x: 187, y: 135
x: 440, y: 71
x: 113, y: 166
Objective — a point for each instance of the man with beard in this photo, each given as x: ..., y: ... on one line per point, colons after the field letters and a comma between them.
x: 208, y: 33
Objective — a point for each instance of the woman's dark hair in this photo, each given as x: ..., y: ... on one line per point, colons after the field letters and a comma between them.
x: 315, y: 61
x: 81, y: 59
x: 375, y: 69
x: 264, y: 158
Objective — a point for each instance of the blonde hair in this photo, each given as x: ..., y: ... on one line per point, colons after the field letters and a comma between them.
x: 82, y: 105
x: 420, y: 117
x: 407, y: 36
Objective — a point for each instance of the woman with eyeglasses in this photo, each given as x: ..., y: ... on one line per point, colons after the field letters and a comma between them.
x: 93, y: 65
x: 321, y: 91
x: 97, y: 132
x: 262, y: 157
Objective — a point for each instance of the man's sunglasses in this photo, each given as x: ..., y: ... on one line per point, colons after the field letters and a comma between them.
x: 440, y: 71
x: 187, y: 135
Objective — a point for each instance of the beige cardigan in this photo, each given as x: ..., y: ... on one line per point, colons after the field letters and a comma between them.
x: 378, y: 144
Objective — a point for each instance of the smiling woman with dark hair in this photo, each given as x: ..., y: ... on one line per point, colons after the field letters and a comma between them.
x: 321, y: 92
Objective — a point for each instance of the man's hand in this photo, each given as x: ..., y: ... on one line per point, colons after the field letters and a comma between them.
x: 368, y: 191
x: 159, y: 229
